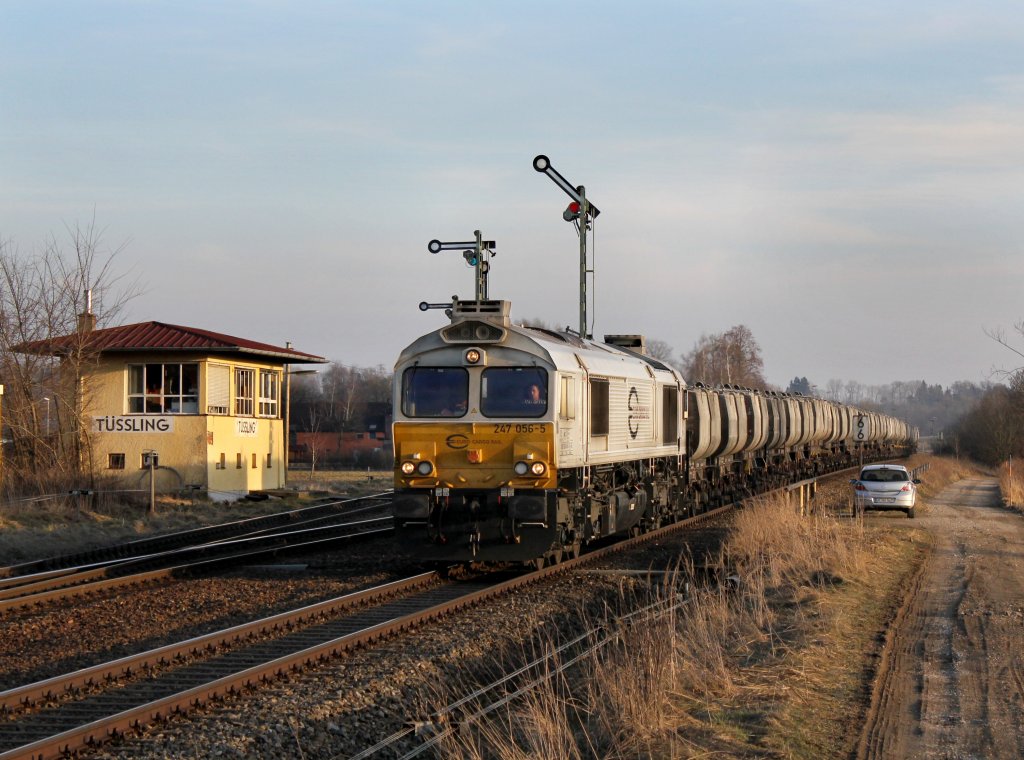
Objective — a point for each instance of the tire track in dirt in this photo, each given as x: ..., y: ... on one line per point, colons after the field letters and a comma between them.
x: 950, y: 682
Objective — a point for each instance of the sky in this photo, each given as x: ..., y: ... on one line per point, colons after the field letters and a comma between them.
x: 845, y: 179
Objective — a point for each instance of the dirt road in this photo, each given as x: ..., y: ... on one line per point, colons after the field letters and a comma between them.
x: 951, y: 679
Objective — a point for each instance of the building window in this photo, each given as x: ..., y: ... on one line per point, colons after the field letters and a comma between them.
x: 238, y: 461
x: 218, y: 388
x: 245, y: 382
x: 163, y: 389
x: 269, y: 385
x: 268, y: 461
x: 115, y: 461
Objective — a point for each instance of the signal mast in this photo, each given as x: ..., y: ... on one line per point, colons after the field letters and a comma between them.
x: 477, y: 257
x: 583, y: 213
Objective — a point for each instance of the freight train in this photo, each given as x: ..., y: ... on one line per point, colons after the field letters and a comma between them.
x: 520, y: 444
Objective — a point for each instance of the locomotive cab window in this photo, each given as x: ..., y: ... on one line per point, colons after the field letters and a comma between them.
x: 435, y: 392
x: 514, y: 392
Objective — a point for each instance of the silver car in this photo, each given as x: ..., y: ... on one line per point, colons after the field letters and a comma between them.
x: 885, y: 486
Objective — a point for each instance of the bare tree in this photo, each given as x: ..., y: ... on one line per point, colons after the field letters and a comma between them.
x: 42, y: 296
x: 732, y: 357
x: 315, y: 417
x: 992, y: 431
x: 660, y: 350
x: 999, y: 336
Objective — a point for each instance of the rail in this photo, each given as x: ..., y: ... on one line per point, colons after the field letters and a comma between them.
x: 65, y: 585
x: 190, y: 686
x: 221, y: 531
x: 119, y: 718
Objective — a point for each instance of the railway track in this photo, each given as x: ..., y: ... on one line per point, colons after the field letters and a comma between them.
x: 59, y: 715
x: 56, y: 716
x: 294, y: 518
x: 257, y: 545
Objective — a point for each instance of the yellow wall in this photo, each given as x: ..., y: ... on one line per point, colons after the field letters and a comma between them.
x: 238, y: 449
x: 189, y: 453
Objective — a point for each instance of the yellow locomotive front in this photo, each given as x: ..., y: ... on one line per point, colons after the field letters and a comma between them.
x: 474, y: 436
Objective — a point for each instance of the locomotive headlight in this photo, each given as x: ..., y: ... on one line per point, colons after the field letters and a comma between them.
x: 408, y: 468
x: 424, y: 468
x: 521, y: 468
x: 473, y: 356
x: 537, y: 468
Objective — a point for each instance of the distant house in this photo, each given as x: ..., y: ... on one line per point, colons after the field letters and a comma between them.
x: 209, y: 407
x: 370, y: 448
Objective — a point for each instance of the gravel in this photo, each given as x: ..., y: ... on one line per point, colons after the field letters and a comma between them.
x: 339, y: 708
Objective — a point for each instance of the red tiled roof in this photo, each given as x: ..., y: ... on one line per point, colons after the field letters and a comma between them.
x: 159, y: 336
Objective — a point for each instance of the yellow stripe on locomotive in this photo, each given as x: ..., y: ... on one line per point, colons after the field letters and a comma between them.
x: 475, y: 455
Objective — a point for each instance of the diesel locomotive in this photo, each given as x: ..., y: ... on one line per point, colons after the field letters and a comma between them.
x: 520, y: 444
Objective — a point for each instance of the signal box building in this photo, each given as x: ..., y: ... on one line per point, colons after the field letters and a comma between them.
x: 209, y: 407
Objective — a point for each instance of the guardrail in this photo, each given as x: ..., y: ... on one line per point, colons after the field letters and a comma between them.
x: 805, y: 491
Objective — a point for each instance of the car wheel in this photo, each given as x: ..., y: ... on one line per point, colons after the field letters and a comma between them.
x: 910, y: 513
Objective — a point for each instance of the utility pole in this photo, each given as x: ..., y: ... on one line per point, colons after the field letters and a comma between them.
x: 1, y: 435
x: 287, y: 414
x: 150, y: 459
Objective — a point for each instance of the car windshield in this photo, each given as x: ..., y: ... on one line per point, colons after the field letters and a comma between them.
x: 435, y: 392
x: 883, y: 476
x: 514, y: 392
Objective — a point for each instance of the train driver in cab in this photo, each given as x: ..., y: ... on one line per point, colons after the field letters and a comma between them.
x: 534, y: 396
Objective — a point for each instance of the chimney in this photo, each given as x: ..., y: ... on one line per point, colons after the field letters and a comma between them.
x: 87, y: 320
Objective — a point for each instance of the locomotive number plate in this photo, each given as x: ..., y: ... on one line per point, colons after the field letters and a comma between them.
x: 527, y: 428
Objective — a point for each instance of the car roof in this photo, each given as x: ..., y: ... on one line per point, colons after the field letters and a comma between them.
x: 883, y: 467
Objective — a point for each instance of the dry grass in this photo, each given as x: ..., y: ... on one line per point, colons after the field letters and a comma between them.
x: 352, y: 482
x: 50, y: 527
x: 775, y: 665
x: 1011, y: 482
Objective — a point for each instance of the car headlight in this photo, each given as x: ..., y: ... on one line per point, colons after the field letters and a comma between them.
x: 424, y: 468
x: 408, y: 468
x: 521, y: 468
x: 538, y: 468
